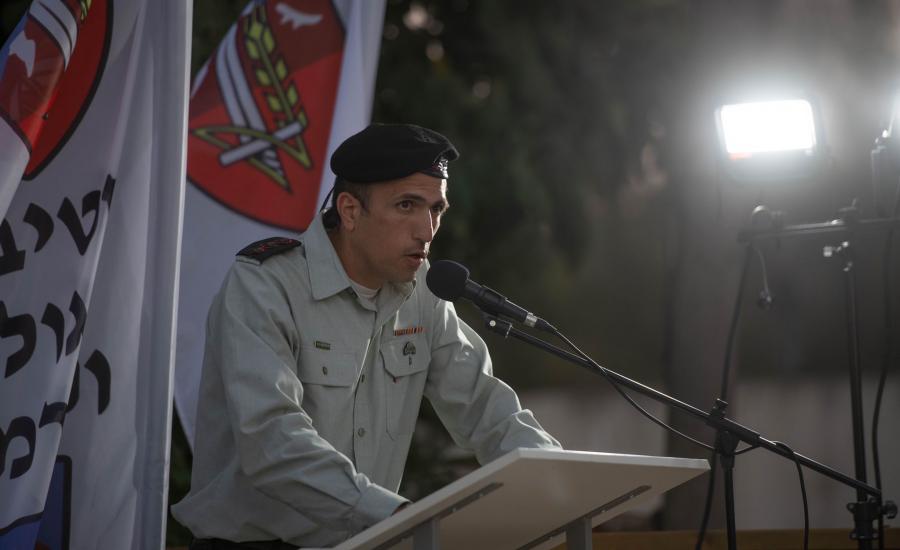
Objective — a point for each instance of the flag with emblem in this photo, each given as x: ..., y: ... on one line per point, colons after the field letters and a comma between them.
x: 93, y: 117
x: 289, y: 82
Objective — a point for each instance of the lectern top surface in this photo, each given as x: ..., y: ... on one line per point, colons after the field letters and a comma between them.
x: 522, y: 497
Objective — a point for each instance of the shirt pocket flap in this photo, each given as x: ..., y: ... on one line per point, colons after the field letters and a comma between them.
x: 405, y: 357
x: 327, y: 367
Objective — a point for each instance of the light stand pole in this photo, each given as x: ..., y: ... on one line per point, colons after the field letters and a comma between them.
x: 863, y: 531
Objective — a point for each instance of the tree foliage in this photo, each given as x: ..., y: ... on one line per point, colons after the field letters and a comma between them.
x: 556, y: 109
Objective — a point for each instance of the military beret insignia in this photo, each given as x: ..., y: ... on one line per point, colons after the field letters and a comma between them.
x: 266, y: 248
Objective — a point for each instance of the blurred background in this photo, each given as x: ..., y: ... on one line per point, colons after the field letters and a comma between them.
x: 590, y: 190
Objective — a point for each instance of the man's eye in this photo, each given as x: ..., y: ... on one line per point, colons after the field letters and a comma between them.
x: 438, y: 208
x: 404, y: 205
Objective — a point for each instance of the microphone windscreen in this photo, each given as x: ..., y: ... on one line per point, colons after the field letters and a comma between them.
x: 447, y: 279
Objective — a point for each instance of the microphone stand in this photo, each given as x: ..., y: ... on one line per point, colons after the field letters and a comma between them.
x: 728, y: 432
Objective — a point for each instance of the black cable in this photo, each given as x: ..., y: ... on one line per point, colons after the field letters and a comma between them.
x: 707, y: 507
x: 746, y: 450
x: 802, y: 493
x: 628, y: 398
x: 732, y: 328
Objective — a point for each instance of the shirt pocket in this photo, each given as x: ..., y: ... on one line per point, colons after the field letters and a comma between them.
x: 328, y: 377
x: 406, y: 368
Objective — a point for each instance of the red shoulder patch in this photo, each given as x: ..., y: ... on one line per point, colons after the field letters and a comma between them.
x: 266, y: 248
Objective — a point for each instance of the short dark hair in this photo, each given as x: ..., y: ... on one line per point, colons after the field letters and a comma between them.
x: 359, y: 191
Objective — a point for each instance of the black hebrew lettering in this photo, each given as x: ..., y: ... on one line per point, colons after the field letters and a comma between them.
x: 108, y: 187
x: 20, y: 325
x: 99, y: 367
x: 73, y: 393
x: 80, y: 312
x: 68, y: 215
x: 52, y: 412
x: 38, y: 218
x: 11, y: 258
x: 53, y: 318
x: 21, y: 426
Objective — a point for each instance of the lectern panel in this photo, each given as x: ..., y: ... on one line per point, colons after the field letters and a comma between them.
x: 527, y: 498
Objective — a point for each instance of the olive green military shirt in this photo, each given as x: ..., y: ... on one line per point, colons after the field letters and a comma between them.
x: 309, y: 396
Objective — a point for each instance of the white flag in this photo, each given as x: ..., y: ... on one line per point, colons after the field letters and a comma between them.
x: 93, y: 111
x: 290, y: 81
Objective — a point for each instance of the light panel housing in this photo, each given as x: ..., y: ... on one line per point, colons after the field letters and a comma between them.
x: 769, y: 140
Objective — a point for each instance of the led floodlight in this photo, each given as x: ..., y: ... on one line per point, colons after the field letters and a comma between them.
x: 769, y: 140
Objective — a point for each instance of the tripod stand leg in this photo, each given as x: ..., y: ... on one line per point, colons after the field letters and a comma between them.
x: 726, y: 443
x: 728, y: 471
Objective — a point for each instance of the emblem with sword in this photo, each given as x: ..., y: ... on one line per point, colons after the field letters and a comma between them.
x: 257, y: 143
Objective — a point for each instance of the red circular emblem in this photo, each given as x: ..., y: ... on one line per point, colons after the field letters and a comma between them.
x: 55, y: 59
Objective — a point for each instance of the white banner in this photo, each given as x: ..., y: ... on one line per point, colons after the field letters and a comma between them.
x: 290, y: 81
x: 95, y: 95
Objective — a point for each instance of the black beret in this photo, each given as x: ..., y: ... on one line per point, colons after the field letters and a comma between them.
x: 384, y: 152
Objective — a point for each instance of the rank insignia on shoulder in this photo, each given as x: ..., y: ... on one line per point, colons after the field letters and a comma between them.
x: 266, y: 248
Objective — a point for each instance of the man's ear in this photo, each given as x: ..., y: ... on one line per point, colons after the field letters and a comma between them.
x: 350, y: 209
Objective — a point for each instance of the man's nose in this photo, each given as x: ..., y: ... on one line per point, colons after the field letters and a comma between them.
x: 426, y: 227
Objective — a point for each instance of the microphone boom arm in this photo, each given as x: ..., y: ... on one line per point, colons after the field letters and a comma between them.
x: 714, y: 419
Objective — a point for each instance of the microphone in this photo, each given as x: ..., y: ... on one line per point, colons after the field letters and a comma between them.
x: 449, y: 281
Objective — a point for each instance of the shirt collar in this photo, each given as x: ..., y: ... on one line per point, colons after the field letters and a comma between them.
x: 326, y: 272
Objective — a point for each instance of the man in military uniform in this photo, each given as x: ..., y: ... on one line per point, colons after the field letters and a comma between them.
x: 318, y: 354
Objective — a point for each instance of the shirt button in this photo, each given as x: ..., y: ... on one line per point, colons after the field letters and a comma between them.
x: 325, y: 370
x: 361, y: 432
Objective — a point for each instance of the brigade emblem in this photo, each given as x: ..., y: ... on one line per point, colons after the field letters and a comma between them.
x: 46, y: 82
x: 261, y: 112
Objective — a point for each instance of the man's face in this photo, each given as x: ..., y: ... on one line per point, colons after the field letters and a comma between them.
x: 390, y: 238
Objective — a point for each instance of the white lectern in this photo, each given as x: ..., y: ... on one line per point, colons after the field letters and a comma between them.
x: 529, y: 499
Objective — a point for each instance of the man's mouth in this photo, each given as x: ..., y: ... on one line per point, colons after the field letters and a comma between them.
x: 413, y: 260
